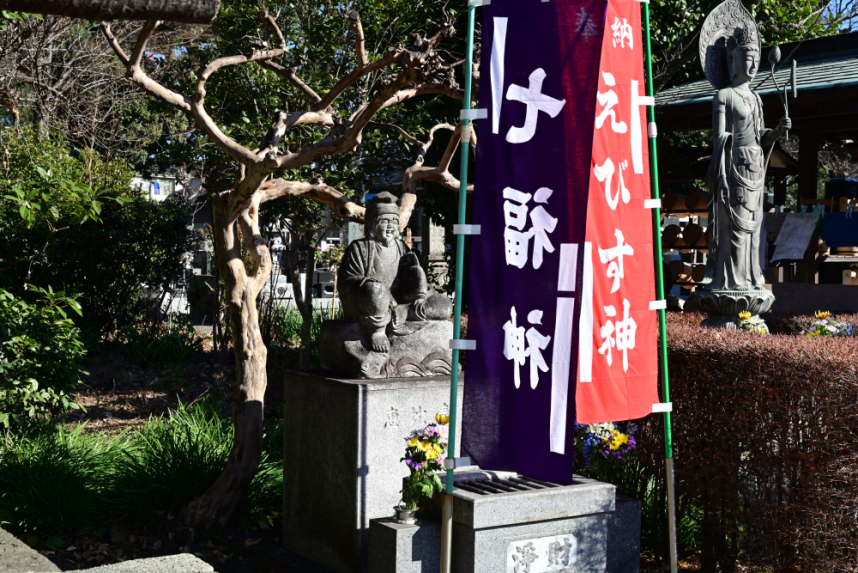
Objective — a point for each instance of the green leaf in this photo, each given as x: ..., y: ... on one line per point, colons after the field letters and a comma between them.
x: 25, y: 213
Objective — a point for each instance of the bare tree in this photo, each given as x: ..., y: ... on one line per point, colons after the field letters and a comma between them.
x: 401, y: 74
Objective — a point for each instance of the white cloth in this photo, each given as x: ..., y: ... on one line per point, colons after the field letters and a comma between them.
x: 794, y: 237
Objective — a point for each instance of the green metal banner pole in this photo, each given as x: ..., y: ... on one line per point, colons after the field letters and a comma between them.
x: 447, y: 517
x: 659, y: 286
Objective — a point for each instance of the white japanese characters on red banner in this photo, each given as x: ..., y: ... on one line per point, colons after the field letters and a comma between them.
x: 617, y: 368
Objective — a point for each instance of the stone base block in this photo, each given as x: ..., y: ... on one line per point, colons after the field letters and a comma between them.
x: 398, y: 548
x: 423, y: 351
x: 343, y: 441
x: 538, y: 528
x: 624, y: 536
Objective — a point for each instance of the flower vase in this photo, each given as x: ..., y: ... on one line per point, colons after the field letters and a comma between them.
x: 405, y: 516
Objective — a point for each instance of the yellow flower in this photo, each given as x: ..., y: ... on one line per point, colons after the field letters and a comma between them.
x: 438, y: 448
x: 442, y: 419
x: 431, y: 455
x: 820, y: 314
x: 618, y: 439
x: 423, y: 446
x: 413, y: 443
x: 745, y: 315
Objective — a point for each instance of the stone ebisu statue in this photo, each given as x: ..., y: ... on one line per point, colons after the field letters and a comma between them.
x: 395, y: 323
x: 381, y: 282
x: 730, y: 55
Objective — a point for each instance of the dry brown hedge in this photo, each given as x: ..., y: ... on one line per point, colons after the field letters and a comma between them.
x: 765, y: 442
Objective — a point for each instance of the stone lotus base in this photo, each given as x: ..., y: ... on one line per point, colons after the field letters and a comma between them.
x: 425, y: 351
x: 724, y: 306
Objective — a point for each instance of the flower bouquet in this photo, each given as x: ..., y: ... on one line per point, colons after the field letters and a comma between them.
x: 605, y: 449
x: 745, y: 324
x: 825, y: 325
x: 424, y: 455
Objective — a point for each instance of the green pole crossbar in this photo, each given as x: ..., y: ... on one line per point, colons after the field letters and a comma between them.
x: 659, y: 289
x: 447, y: 521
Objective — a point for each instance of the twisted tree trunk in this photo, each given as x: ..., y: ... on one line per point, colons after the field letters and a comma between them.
x: 225, y: 499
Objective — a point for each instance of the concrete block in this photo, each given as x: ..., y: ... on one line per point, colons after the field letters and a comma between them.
x: 398, y: 548
x: 624, y: 536
x: 181, y: 563
x: 343, y: 441
x: 18, y: 557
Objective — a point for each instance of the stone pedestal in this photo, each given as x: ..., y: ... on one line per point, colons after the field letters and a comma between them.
x: 724, y: 306
x: 424, y: 350
x: 343, y: 441
x: 503, y: 523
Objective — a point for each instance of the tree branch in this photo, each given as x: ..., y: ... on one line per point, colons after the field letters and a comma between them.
x: 395, y: 128
x: 111, y: 39
x: 440, y: 174
x: 360, y: 40
x: 289, y: 74
x: 136, y: 74
x: 344, y: 207
x: 392, y: 57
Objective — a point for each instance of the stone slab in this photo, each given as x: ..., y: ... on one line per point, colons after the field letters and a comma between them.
x: 18, y: 557
x: 624, y: 536
x: 497, y: 550
x: 343, y: 441
x: 399, y: 548
x: 585, y: 497
x: 180, y: 563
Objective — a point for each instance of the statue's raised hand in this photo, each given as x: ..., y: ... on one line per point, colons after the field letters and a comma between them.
x: 784, y: 125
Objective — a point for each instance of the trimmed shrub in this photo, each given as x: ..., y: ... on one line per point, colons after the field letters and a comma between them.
x: 764, y: 431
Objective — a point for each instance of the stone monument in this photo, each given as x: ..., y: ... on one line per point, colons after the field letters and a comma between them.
x: 730, y: 56
x: 395, y: 324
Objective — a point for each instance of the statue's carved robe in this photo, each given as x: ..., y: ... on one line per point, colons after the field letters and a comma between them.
x: 736, y: 179
x: 378, y: 285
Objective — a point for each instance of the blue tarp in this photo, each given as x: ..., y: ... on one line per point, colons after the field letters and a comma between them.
x: 840, y: 230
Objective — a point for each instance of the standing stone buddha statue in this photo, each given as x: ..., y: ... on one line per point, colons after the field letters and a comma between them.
x: 730, y: 54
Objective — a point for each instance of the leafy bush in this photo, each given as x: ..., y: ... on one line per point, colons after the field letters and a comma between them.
x: 57, y: 227
x: 40, y: 352
x: 172, y: 460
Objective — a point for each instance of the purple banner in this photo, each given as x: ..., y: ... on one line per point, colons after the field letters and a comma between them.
x: 539, y: 74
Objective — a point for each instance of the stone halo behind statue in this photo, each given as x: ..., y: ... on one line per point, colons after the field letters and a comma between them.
x: 395, y: 324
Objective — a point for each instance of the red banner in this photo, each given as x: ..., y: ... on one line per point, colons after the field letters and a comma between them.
x: 617, y: 367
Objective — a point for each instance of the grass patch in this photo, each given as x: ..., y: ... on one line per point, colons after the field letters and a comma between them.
x: 56, y: 481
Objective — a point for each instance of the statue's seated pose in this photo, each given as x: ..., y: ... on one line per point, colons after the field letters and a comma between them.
x: 384, y: 291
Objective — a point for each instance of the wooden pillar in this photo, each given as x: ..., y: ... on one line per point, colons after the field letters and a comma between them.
x: 780, y: 190
x: 808, y: 164
x: 188, y: 11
